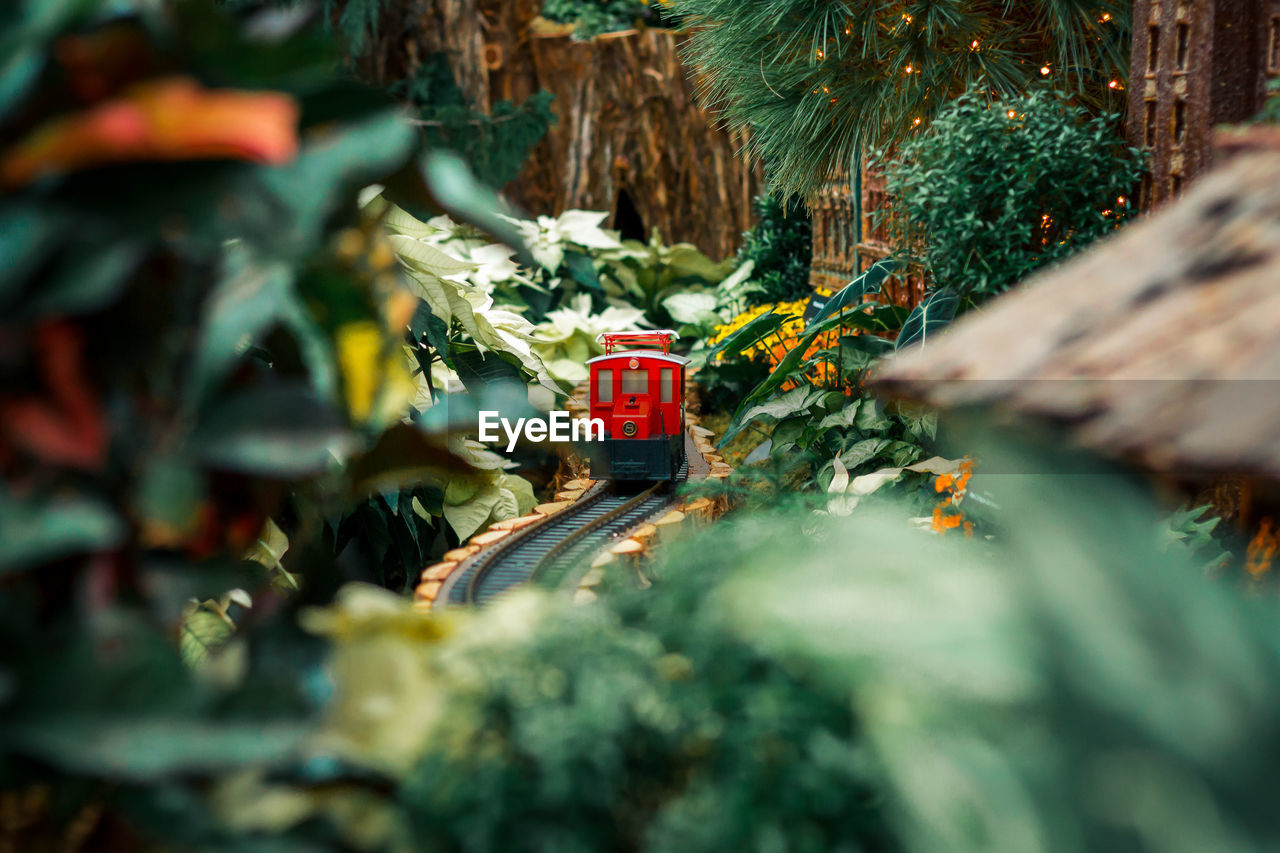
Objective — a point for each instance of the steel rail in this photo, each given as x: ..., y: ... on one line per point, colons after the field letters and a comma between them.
x: 536, y: 552
x: 610, y: 513
x: 580, y: 535
x: 463, y: 593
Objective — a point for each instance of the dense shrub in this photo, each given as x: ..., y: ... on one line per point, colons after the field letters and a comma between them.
x: 993, y: 190
x: 780, y: 245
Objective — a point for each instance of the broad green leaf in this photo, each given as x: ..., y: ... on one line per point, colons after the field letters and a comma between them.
x: 842, y: 419
x: 154, y: 746
x: 203, y: 633
x: 929, y: 317
x: 27, y: 235
x: 89, y: 281
x: 796, y: 400
x: 36, y: 530
x: 851, y: 295
x: 314, y: 183
x: 871, y: 416
x: 685, y: 262
x: 792, y: 402
x: 238, y: 312
x: 787, y: 369
x: 863, y: 451
x: 749, y: 335
x: 735, y: 280
x: 169, y: 493
x: 480, y: 370
x: 582, y: 269
x: 874, y: 317
x: 18, y: 74
x: 402, y: 456
x: 282, y: 432
x: 788, y: 433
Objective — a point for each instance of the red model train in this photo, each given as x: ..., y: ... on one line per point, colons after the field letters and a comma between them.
x: 639, y: 394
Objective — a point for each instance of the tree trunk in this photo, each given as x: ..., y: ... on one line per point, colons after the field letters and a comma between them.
x: 632, y: 141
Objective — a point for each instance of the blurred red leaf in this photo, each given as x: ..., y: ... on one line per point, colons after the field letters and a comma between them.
x: 66, y: 426
x: 167, y: 119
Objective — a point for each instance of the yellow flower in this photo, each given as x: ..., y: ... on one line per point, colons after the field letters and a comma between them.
x: 372, y: 372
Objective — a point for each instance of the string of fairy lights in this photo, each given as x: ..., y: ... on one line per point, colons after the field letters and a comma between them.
x: 1046, y: 70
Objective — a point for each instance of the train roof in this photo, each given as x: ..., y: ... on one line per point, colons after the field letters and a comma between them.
x: 641, y: 353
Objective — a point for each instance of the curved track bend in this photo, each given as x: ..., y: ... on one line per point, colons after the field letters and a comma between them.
x: 559, y: 550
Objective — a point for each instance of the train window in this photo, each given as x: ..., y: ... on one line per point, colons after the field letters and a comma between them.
x: 668, y: 385
x: 635, y: 382
x: 604, y: 386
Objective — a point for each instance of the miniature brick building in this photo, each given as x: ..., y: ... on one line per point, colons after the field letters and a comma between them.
x: 834, y: 259
x: 1196, y: 64
x: 849, y: 236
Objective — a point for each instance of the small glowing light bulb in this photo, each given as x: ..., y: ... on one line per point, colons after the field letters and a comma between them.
x: 1012, y: 114
x: 1044, y: 70
x: 1114, y: 84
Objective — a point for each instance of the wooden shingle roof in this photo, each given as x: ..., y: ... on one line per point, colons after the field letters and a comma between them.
x: 1161, y: 344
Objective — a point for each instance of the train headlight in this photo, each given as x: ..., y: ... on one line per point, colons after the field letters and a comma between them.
x: 629, y: 428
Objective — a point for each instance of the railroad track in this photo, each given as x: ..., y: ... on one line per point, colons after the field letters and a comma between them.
x: 557, y: 551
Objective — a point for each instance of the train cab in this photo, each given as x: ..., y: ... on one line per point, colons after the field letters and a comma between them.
x: 639, y: 395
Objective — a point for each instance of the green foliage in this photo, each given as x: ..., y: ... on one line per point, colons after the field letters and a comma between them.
x: 962, y: 656
x: 357, y: 20
x: 494, y: 144
x: 593, y: 17
x: 651, y: 731
x: 816, y: 83
x: 839, y: 683
x: 780, y: 247
x: 647, y: 276
x: 1193, y: 528
x: 1270, y: 112
x: 814, y: 423
x: 993, y: 190
x: 928, y: 318
x: 225, y: 349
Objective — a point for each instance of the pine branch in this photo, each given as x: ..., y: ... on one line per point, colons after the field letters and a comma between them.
x: 816, y: 81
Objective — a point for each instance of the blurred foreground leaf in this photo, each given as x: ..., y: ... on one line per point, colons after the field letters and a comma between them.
x: 34, y: 530
x: 281, y: 432
x: 142, y: 747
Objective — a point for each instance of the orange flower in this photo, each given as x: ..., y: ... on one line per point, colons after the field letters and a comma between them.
x: 166, y: 119
x: 1262, y: 549
x: 943, y: 523
x: 944, y: 482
